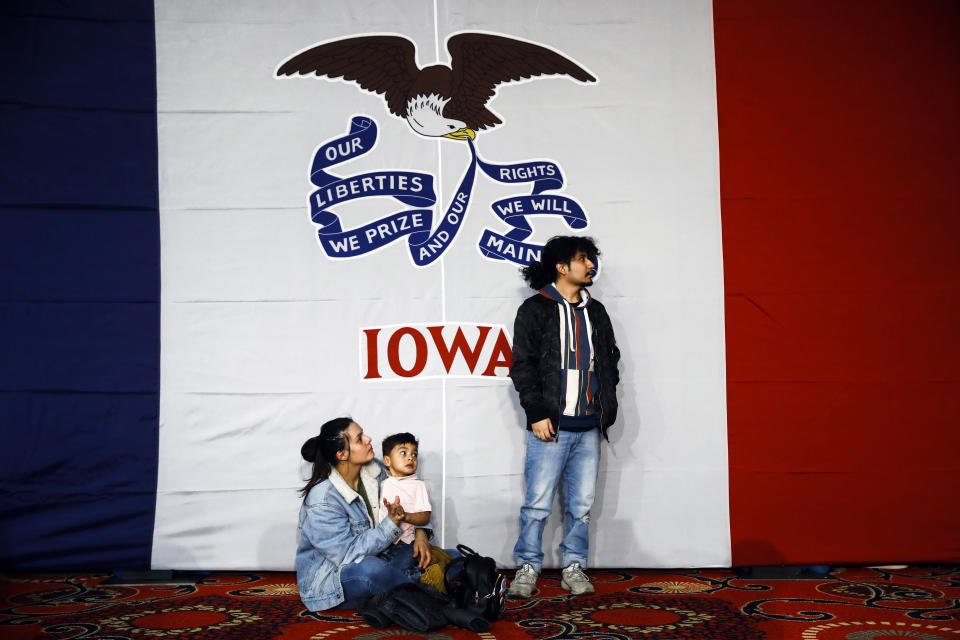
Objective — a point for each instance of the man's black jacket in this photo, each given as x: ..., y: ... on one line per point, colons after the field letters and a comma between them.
x: 536, y: 370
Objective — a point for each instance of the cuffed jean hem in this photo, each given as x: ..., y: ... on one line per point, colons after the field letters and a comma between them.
x: 569, y: 560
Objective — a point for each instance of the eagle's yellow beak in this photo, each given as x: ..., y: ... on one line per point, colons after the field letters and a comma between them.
x: 461, y: 134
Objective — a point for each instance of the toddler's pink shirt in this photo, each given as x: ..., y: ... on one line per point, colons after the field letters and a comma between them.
x: 414, y: 498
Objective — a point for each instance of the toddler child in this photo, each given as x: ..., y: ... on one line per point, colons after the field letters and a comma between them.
x: 400, y: 458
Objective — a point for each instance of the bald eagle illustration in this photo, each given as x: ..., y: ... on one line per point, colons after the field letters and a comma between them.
x: 436, y: 101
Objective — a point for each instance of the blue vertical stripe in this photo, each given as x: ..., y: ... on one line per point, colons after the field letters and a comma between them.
x: 80, y: 291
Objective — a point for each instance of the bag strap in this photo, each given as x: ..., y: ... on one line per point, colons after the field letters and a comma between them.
x: 465, y: 552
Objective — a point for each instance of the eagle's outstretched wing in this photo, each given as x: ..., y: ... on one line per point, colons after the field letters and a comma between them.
x: 382, y: 64
x: 481, y: 61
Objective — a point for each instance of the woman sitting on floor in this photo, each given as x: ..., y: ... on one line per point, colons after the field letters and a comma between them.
x: 337, y: 561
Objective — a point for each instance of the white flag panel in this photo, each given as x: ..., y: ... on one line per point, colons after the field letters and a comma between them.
x: 261, y: 329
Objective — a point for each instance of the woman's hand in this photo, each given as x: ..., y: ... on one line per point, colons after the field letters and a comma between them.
x: 421, y: 548
x: 394, y: 510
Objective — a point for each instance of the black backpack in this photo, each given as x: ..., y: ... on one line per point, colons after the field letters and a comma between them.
x: 478, y: 587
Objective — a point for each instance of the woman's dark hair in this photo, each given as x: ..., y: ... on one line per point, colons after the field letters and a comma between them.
x: 558, y: 249
x: 322, y: 450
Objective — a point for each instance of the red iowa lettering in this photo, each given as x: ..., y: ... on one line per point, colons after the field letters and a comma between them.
x: 432, y: 350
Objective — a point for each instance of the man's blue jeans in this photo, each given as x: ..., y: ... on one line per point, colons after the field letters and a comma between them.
x: 573, y: 460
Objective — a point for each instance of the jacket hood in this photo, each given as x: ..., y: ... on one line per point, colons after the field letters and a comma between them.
x: 567, y: 338
x: 551, y: 291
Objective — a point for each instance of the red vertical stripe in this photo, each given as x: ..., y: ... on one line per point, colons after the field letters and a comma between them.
x: 589, y: 395
x: 838, y: 162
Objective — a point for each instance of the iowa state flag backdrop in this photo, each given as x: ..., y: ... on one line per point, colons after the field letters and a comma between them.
x: 229, y: 223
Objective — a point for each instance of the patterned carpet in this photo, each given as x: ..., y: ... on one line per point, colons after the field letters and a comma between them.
x: 850, y: 604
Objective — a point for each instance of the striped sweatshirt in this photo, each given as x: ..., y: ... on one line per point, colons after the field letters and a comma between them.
x: 578, y: 383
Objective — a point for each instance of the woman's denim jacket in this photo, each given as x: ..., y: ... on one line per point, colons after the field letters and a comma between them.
x: 335, y: 530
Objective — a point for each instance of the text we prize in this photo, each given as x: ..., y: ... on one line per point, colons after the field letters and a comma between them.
x: 452, y: 349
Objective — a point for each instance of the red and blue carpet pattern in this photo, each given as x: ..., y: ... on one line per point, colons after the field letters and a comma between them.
x: 850, y: 604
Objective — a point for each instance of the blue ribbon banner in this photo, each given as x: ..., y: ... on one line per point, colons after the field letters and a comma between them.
x: 416, y: 190
x: 408, y: 187
x: 514, y: 211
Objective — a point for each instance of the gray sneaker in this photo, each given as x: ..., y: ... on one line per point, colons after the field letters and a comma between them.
x: 575, y: 580
x: 523, y: 583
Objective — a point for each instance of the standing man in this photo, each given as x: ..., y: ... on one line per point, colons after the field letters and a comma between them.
x: 565, y: 370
